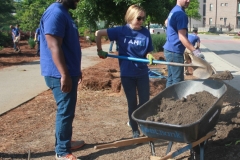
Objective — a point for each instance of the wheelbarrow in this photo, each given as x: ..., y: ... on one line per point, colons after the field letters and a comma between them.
x: 195, y: 134
x: 182, y: 133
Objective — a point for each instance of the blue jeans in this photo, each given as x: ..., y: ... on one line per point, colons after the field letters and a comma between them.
x: 175, y: 73
x: 66, y: 103
x: 111, y: 45
x: 132, y: 86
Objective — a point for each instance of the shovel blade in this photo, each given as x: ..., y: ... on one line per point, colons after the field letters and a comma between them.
x: 203, y: 70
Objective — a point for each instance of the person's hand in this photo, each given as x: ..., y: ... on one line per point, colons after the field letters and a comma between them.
x: 150, y: 58
x: 102, y: 54
x: 196, y: 52
x: 35, y: 40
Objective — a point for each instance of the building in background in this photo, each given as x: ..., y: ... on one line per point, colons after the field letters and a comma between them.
x: 218, y: 15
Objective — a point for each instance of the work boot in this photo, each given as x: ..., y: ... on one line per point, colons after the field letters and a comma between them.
x: 136, y: 134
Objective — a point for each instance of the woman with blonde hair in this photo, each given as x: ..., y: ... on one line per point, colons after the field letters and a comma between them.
x: 134, y: 40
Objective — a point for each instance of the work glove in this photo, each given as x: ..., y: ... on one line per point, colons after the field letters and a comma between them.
x: 35, y: 40
x: 198, y: 53
x: 150, y: 58
x: 102, y: 54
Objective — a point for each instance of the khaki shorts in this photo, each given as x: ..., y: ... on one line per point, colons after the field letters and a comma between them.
x: 16, y: 40
x: 186, y: 55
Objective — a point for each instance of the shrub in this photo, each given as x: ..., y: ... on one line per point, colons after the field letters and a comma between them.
x: 92, y: 37
x: 158, y: 41
x: 1, y: 47
x: 31, y: 43
x: 5, y: 39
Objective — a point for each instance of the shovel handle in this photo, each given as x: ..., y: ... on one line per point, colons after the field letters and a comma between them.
x: 147, y: 61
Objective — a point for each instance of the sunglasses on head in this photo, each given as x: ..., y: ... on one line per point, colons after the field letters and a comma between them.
x: 139, y: 18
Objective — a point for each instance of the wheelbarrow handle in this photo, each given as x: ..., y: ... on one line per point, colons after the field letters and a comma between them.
x: 126, y: 142
x: 187, y: 147
x: 147, y: 61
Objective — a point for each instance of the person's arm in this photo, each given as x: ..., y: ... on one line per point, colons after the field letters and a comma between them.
x: 54, y: 44
x: 99, y: 35
x: 183, y: 38
x: 35, y: 37
x: 198, y: 43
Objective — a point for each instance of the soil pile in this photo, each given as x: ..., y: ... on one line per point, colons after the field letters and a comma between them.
x: 225, y: 75
x: 185, y: 110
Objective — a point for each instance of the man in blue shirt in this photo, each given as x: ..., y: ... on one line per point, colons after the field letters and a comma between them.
x: 60, y: 62
x: 194, y: 39
x: 177, y: 41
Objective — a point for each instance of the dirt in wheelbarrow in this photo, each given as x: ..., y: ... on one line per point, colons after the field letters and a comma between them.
x: 101, y: 117
x: 183, y: 111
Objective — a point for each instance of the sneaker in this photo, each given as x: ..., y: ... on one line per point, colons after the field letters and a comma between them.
x: 136, y: 134
x: 66, y: 157
x: 76, y: 144
x: 111, y: 52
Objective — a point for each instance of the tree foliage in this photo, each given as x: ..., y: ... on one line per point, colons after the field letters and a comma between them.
x: 6, y: 10
x: 192, y: 11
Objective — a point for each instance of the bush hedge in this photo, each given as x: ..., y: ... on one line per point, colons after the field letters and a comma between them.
x: 158, y: 41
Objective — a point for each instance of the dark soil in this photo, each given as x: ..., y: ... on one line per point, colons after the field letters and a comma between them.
x: 183, y: 111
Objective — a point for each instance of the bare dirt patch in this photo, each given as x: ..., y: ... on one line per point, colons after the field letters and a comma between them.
x: 101, y: 117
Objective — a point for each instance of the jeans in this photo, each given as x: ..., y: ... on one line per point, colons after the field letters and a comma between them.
x: 132, y: 86
x: 66, y: 103
x: 111, y: 45
x: 175, y: 73
x: 38, y: 48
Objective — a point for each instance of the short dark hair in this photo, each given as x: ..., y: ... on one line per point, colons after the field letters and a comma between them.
x: 195, y: 30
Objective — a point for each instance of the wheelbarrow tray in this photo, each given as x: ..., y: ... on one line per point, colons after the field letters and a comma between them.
x: 182, y: 133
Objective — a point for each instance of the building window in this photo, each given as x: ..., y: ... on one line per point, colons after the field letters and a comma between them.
x: 222, y: 4
x: 210, y: 21
x: 204, y: 9
x: 238, y: 8
x: 226, y: 4
x: 225, y: 21
x: 204, y: 1
x: 221, y: 19
x: 211, y: 6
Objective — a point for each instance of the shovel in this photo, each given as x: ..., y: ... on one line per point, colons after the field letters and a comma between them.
x: 202, y: 69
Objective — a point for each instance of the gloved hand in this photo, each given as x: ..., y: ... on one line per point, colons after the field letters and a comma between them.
x: 196, y: 52
x: 150, y: 58
x: 35, y: 40
x: 102, y: 54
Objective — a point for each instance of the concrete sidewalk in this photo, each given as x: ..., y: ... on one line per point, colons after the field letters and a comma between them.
x: 21, y: 83
x: 222, y: 65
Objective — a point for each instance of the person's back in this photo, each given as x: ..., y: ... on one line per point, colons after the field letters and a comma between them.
x: 194, y: 39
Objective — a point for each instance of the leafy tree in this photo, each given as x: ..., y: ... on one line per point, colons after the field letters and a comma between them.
x: 6, y: 10
x: 192, y: 11
x: 29, y: 13
x: 113, y: 11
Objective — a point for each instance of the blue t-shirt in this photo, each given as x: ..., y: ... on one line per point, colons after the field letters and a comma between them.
x: 16, y: 31
x: 193, y: 38
x: 177, y: 20
x: 57, y: 21
x: 131, y: 43
x: 38, y: 34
